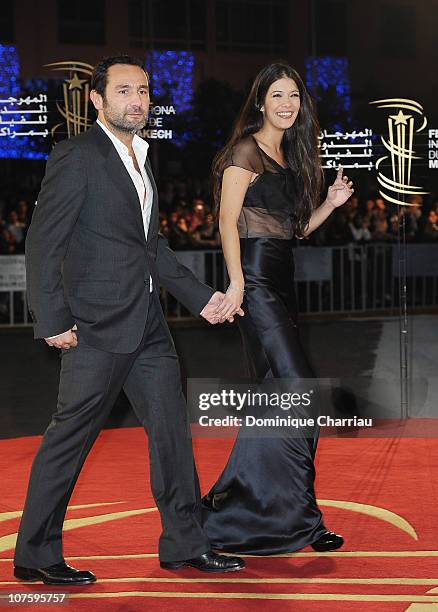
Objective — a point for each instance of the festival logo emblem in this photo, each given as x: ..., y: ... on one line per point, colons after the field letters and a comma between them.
x: 402, y: 126
x: 76, y: 92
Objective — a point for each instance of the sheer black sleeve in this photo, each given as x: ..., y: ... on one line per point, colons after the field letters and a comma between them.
x: 246, y: 154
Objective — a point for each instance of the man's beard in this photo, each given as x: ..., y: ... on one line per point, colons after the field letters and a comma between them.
x: 121, y: 124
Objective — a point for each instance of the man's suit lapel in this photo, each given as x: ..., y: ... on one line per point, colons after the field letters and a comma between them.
x: 120, y: 177
x: 154, y: 212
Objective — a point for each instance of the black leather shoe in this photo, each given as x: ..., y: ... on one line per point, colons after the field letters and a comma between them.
x: 208, y: 562
x: 328, y: 541
x: 60, y: 574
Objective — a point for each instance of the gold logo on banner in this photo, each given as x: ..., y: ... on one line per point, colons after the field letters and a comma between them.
x: 401, y: 129
x: 76, y: 92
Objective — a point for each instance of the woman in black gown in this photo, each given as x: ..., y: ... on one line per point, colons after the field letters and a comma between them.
x: 268, y: 180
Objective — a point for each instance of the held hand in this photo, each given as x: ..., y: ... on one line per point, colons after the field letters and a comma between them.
x: 340, y: 191
x: 64, y: 341
x: 231, y: 304
x: 210, y: 311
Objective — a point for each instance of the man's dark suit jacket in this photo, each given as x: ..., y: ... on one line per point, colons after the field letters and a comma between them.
x: 87, y: 259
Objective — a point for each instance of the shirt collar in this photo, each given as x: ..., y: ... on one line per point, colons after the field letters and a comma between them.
x: 139, y: 145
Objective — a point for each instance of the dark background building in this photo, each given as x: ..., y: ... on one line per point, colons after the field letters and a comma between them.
x: 202, y: 56
x: 388, y: 46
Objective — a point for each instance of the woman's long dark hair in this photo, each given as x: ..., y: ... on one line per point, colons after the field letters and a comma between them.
x: 299, y: 145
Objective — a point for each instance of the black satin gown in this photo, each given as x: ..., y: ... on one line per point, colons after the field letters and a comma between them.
x: 264, y: 501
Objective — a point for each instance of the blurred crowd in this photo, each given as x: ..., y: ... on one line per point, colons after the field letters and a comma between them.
x: 187, y: 220
x: 13, y: 228
x: 186, y: 217
x: 374, y: 221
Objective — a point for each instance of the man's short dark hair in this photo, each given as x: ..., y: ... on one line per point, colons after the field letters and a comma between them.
x: 99, y: 77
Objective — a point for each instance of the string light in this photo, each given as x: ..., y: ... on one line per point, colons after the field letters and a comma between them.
x: 23, y: 147
x: 171, y: 74
x: 326, y: 71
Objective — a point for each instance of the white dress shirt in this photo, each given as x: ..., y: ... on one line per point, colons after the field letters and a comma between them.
x: 141, y: 180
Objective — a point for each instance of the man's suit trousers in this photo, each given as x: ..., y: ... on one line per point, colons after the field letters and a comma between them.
x: 90, y: 382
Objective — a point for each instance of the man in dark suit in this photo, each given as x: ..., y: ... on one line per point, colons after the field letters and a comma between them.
x: 94, y: 263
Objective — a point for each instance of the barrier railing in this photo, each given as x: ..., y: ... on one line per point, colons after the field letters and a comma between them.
x: 365, y: 278
x: 329, y: 280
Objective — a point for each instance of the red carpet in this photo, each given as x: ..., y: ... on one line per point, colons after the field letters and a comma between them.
x: 381, y: 494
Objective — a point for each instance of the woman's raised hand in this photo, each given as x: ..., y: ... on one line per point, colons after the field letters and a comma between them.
x: 340, y: 191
